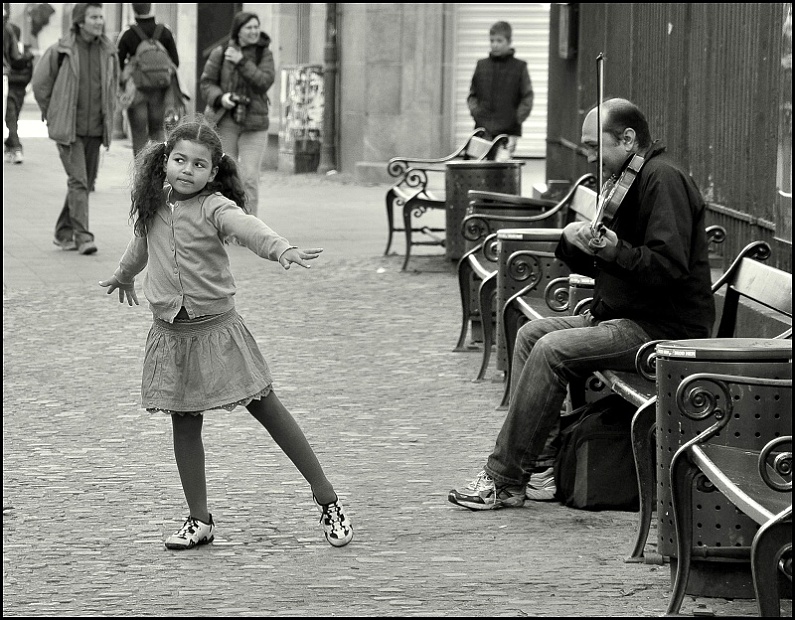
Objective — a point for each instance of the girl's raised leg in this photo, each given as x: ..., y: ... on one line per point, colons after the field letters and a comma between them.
x: 273, y: 415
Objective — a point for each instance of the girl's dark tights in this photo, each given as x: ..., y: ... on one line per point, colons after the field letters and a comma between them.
x: 277, y: 420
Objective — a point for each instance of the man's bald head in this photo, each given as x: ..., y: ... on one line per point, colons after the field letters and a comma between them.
x: 619, y: 114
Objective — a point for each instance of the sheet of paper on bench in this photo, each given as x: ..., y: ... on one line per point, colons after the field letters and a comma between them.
x: 583, y: 203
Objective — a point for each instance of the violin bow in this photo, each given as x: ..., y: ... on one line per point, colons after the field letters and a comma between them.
x: 600, y: 94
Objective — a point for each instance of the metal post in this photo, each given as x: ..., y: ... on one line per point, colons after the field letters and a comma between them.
x: 328, y: 151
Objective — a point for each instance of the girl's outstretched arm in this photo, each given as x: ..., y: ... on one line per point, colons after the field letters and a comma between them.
x: 126, y: 289
x: 298, y: 256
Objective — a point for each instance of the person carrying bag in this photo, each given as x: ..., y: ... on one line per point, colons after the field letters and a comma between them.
x: 235, y: 84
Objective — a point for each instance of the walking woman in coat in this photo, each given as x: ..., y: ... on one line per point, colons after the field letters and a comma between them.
x: 235, y: 84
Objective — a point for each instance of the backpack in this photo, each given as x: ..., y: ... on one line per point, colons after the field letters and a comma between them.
x: 22, y: 75
x: 152, y: 68
x: 595, y: 466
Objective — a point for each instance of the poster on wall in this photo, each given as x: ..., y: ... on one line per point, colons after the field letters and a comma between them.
x: 301, y: 121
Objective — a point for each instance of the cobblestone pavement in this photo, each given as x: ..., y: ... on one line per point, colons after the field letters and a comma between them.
x: 361, y: 354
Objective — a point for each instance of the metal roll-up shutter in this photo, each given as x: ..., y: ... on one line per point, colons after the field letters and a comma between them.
x: 530, y: 24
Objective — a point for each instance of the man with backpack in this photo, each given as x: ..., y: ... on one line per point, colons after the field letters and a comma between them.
x: 148, y: 59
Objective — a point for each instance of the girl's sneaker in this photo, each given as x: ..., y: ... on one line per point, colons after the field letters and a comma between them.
x: 192, y: 534
x: 336, y: 526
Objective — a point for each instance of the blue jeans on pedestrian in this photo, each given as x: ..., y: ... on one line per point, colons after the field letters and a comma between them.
x: 248, y: 150
x: 550, y: 353
x: 80, y: 160
x: 16, y: 97
x: 147, y: 117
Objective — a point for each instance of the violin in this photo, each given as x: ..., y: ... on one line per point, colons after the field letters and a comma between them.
x: 613, y: 191
x: 610, y: 199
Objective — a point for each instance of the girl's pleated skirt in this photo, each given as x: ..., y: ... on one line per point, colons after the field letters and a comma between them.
x: 194, y: 365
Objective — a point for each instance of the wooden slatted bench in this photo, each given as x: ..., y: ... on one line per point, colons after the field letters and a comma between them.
x: 549, y: 291
x: 488, y: 213
x: 412, y: 194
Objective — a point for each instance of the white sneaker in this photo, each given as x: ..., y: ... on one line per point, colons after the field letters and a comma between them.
x: 192, y: 534
x: 336, y: 526
x: 483, y: 493
x: 541, y: 486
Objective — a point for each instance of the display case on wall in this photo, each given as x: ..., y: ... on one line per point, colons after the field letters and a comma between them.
x: 301, y: 119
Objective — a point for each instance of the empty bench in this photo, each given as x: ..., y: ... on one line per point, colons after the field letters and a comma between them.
x: 412, y: 195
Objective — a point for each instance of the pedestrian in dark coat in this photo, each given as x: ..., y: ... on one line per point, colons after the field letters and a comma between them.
x: 146, y: 111
x: 501, y: 94
x: 235, y: 84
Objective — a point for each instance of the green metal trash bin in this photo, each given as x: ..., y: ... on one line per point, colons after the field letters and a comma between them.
x: 504, y: 177
x: 759, y: 415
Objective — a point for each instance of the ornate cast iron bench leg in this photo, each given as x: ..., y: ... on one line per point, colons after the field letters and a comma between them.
x: 390, y: 208
x: 683, y: 474
x: 407, y: 226
x: 465, y: 272
x: 486, y: 296
x: 771, y: 542
x: 643, y: 445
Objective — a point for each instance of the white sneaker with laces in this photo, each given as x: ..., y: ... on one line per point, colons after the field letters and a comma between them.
x: 541, y: 486
x: 336, y: 526
x: 483, y: 493
x: 192, y: 534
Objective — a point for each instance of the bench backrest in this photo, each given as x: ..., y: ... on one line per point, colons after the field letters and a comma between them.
x: 750, y: 279
x: 478, y: 148
x: 582, y: 207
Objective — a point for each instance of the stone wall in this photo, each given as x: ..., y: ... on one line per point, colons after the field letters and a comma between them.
x: 392, y: 85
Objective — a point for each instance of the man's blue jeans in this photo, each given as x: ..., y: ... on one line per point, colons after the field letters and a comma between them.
x: 549, y: 354
x: 147, y: 118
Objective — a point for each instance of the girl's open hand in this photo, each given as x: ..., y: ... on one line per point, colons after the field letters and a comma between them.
x: 125, y: 290
x: 299, y: 256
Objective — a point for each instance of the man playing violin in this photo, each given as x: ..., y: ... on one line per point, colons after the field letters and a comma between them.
x: 652, y: 281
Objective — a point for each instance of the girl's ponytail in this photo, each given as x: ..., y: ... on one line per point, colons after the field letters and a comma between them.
x: 147, y: 187
x: 227, y: 181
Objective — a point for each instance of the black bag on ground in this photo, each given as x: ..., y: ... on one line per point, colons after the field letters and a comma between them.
x: 595, y: 467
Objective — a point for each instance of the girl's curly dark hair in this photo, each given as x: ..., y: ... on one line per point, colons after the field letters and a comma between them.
x: 149, y: 175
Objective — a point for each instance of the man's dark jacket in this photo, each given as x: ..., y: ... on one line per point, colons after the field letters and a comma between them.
x: 661, y: 275
x: 129, y: 41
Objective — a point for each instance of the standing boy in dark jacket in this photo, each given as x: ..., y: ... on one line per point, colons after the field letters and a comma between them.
x: 501, y: 93
x: 147, y: 110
